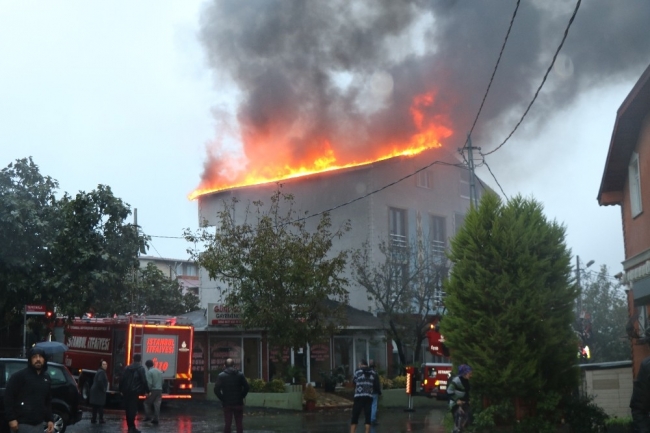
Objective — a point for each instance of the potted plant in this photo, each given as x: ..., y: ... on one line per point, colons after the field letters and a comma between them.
x: 332, y: 378
x: 310, y: 395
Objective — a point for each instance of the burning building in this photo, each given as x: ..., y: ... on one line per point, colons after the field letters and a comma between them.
x: 431, y: 204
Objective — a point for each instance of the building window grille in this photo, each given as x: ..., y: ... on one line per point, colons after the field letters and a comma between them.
x: 438, y: 238
x: 397, y: 227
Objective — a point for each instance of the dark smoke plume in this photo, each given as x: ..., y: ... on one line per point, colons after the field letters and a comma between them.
x: 344, y: 73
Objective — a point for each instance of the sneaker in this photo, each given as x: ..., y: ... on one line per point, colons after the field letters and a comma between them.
x: 154, y: 422
x: 146, y: 419
x: 101, y: 421
x: 93, y: 421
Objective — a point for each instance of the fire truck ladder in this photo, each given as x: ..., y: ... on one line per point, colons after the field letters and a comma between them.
x: 138, y: 334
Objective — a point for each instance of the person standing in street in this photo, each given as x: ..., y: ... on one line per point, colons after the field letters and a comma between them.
x: 98, y: 393
x: 231, y: 388
x: 376, y: 392
x: 28, y: 396
x: 154, y: 398
x: 458, y: 391
x: 132, y: 385
x: 366, y: 381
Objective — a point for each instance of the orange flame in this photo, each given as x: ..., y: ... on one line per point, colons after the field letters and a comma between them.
x: 429, y: 134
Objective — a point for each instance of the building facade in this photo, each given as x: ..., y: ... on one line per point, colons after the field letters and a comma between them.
x: 382, y: 203
x: 626, y: 183
x: 184, y: 271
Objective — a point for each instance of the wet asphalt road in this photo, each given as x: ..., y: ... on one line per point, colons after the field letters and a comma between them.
x: 203, y: 417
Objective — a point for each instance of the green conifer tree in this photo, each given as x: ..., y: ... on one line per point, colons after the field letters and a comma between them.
x: 509, y: 301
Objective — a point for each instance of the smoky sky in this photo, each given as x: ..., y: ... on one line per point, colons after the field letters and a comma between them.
x: 347, y: 72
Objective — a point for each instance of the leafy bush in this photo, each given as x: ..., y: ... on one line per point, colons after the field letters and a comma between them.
x: 256, y: 385
x: 624, y: 421
x: 386, y: 383
x: 310, y: 393
x: 583, y: 415
x: 399, y: 382
x: 276, y: 385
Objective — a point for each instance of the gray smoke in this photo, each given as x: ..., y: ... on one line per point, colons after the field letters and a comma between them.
x: 347, y: 72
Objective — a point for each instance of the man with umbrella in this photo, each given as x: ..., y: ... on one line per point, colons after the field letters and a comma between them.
x: 28, y: 396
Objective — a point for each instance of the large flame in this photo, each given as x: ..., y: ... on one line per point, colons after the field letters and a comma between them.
x: 323, y: 158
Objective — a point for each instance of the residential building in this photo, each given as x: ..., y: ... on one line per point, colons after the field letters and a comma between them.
x: 626, y: 183
x: 184, y: 271
x: 383, y: 201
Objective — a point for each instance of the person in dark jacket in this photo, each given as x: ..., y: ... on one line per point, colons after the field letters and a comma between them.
x: 231, y: 388
x: 640, y: 401
x: 132, y: 385
x: 458, y: 390
x: 28, y: 396
x: 98, y: 393
x: 375, y: 395
x: 366, y: 383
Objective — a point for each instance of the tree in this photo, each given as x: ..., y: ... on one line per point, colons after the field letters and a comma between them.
x: 71, y: 252
x: 604, y: 303
x: 405, y: 286
x: 27, y: 215
x: 278, y: 273
x: 94, y: 251
x: 510, y: 301
x: 151, y: 292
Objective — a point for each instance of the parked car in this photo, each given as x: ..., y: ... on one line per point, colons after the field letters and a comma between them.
x: 65, y: 392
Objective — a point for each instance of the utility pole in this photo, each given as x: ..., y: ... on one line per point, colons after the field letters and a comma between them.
x: 473, y: 196
x: 579, y: 303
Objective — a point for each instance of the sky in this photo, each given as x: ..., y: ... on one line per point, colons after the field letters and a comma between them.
x: 153, y: 97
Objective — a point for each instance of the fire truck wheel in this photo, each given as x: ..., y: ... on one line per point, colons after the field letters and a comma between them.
x: 60, y: 421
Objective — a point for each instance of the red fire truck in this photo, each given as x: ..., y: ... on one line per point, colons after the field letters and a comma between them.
x: 165, y: 340
x: 436, y: 374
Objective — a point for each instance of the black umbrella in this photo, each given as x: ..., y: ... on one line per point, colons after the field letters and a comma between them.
x: 51, y: 347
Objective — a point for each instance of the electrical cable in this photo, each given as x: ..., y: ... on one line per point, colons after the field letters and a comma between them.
x: 548, y: 71
x: 503, y: 46
x: 495, y: 179
x: 375, y: 191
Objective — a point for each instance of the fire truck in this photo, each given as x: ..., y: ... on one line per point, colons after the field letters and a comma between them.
x: 435, y: 375
x: 167, y: 341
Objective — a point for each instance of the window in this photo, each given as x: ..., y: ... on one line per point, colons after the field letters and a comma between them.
x: 634, y: 178
x: 424, y: 179
x: 438, y: 237
x: 57, y: 376
x: 397, y: 226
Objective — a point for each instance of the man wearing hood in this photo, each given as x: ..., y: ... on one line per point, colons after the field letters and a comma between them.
x: 231, y: 388
x: 28, y: 396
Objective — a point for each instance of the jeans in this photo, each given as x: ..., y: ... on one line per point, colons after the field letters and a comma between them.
x: 375, y: 398
x: 238, y: 413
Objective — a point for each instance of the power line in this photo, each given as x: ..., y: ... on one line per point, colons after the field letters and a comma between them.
x: 375, y: 191
x: 495, y: 179
x: 503, y: 46
x: 548, y: 71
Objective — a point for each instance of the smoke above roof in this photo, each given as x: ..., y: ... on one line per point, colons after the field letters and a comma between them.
x: 343, y: 77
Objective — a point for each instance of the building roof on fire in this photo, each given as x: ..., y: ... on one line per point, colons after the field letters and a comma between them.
x: 629, y: 119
